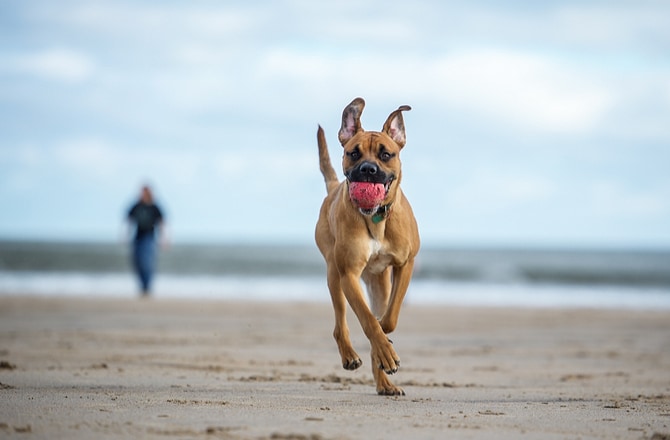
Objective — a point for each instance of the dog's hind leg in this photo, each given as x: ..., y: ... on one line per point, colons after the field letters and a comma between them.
x: 401, y: 278
x: 350, y: 359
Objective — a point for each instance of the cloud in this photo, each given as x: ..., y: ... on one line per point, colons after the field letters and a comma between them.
x: 89, y: 157
x: 150, y: 22
x: 92, y: 159
x: 55, y: 64
x: 96, y: 160
x: 610, y: 199
x: 620, y: 27
x: 488, y: 191
x: 216, y: 54
x: 527, y: 90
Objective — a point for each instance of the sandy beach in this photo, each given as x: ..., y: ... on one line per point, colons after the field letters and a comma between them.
x: 82, y: 368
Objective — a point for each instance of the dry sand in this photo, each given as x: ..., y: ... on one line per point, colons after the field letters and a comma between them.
x: 77, y: 368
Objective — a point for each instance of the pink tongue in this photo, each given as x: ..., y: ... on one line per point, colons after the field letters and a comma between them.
x: 367, y: 195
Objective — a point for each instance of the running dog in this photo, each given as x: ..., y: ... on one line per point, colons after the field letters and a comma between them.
x: 367, y: 230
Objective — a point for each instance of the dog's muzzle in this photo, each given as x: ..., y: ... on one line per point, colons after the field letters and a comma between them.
x: 367, y: 172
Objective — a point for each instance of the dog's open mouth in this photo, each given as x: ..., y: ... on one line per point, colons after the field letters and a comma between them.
x: 368, y: 196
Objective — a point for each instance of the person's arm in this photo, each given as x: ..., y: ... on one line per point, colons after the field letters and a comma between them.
x: 163, y: 238
x: 129, y: 225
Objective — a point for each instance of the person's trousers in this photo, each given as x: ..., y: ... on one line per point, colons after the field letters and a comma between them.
x: 144, y: 261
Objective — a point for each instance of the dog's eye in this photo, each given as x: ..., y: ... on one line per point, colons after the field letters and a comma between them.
x: 385, y: 156
x: 354, y: 155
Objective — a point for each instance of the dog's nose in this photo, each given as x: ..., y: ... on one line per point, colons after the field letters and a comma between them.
x: 368, y: 168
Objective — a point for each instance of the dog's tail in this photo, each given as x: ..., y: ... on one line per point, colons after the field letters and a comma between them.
x: 326, y: 166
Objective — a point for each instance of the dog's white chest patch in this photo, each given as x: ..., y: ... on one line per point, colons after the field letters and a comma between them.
x: 375, y: 247
x: 378, y: 260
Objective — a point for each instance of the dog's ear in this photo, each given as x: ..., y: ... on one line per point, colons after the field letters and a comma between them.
x: 395, y: 125
x: 351, y: 120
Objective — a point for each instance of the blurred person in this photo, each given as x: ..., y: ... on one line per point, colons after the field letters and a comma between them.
x: 146, y: 218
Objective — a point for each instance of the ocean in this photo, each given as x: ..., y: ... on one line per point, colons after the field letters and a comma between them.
x: 635, y: 279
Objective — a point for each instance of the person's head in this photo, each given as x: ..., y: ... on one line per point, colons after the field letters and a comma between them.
x: 146, y: 196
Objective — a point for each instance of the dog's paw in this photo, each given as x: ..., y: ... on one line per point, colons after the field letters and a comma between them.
x: 352, y: 364
x: 385, y: 358
x: 391, y: 370
x: 390, y: 390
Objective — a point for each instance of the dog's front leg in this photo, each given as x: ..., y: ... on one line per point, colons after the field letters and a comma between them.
x: 350, y: 359
x: 384, y: 385
x: 384, y: 356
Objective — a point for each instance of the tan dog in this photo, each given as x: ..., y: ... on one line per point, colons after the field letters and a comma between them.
x: 377, y: 244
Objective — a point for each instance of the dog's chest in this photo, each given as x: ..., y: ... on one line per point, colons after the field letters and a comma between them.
x: 378, y: 258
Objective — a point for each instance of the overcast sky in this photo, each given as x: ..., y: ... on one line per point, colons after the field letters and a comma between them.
x: 532, y: 123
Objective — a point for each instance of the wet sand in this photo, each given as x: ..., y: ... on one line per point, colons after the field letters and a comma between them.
x: 77, y: 368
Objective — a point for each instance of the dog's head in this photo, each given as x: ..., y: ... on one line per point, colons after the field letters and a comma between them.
x: 373, y: 156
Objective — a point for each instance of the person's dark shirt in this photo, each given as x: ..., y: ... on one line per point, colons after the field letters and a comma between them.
x: 146, y: 218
